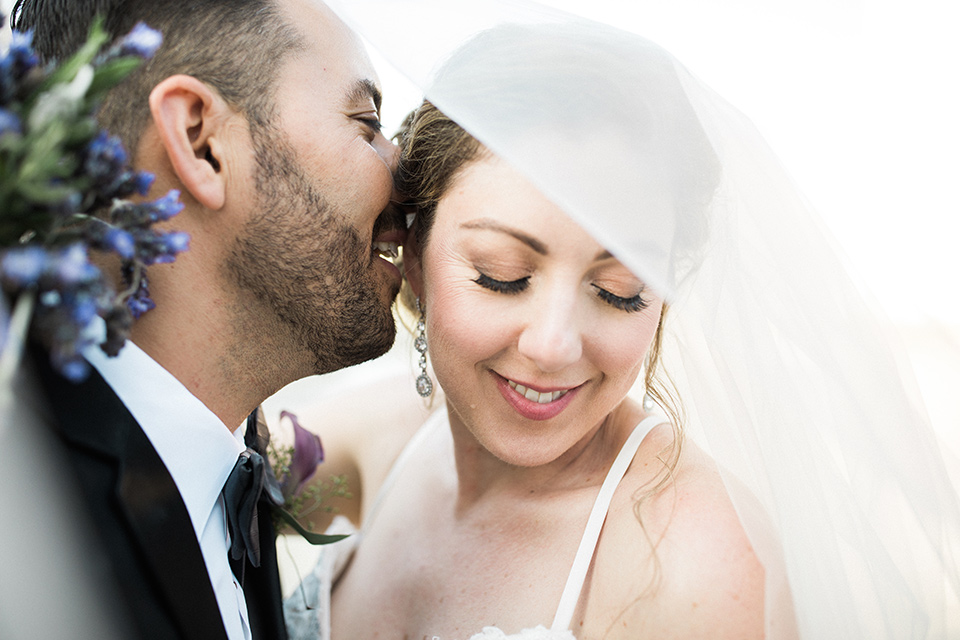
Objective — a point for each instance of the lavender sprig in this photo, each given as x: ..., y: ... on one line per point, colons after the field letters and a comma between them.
x: 64, y: 192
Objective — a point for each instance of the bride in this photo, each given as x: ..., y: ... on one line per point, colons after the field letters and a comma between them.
x: 785, y: 486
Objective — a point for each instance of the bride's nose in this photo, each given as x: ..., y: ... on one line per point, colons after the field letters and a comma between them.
x: 552, y: 336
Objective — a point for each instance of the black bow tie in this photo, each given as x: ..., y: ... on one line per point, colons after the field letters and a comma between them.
x: 250, y: 481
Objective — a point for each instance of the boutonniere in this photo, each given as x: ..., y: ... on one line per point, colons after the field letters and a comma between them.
x: 294, y: 468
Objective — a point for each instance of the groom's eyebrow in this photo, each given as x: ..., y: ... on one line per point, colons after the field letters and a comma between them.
x: 493, y: 225
x: 365, y: 89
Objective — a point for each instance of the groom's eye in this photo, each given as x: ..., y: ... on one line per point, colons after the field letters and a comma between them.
x: 502, y: 286
x: 372, y: 125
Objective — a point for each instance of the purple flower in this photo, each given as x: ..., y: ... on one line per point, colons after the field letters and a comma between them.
x: 142, y: 41
x: 140, y: 304
x: 106, y: 160
x: 167, y: 206
x: 83, y: 310
x: 142, y: 181
x: 120, y: 242
x: 22, y: 267
x: 176, y: 242
x: 72, y: 267
x: 307, y: 454
x: 10, y: 123
x: 21, y: 49
x: 74, y: 368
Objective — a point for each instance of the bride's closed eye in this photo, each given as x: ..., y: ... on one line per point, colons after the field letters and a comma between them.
x: 631, y: 304
x: 502, y: 286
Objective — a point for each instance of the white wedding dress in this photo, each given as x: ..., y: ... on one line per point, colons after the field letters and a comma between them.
x: 307, y: 611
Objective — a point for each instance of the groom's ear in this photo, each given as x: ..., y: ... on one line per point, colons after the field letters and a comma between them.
x: 191, y: 120
x: 411, y: 264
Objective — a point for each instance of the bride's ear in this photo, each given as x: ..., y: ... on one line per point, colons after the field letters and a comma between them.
x: 190, y: 119
x: 411, y: 264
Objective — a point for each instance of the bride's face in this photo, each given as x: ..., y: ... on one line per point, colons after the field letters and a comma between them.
x: 536, y: 333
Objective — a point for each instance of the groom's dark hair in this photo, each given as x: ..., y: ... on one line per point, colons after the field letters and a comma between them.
x: 235, y: 46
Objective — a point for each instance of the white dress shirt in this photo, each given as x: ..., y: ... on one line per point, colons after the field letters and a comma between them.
x: 198, y: 450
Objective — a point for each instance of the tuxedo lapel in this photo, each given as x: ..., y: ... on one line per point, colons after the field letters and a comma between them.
x: 140, y: 495
x: 160, y: 522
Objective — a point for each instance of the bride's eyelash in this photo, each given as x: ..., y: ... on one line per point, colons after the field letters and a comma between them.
x: 501, y: 286
x: 632, y: 304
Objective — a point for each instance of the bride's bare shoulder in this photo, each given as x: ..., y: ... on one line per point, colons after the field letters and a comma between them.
x: 675, y: 557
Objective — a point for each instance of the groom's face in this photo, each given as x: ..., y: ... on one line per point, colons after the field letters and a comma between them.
x: 312, y: 248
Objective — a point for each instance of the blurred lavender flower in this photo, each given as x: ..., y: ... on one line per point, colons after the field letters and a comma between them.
x: 71, y: 294
x: 142, y: 41
x: 138, y: 302
x: 22, y: 267
x: 10, y: 123
x: 20, y: 52
x: 63, y: 190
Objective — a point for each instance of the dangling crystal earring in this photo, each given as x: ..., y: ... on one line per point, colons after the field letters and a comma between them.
x: 424, y: 384
x: 648, y: 402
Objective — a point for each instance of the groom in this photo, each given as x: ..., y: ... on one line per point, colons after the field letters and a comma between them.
x: 264, y: 114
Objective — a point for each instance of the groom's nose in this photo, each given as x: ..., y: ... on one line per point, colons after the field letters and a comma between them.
x: 389, y: 151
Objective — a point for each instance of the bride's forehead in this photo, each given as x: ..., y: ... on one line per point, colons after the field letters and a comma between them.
x: 492, y: 190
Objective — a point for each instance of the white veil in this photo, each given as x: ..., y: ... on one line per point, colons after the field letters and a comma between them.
x: 788, y: 377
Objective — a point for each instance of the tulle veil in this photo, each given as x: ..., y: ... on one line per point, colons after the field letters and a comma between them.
x: 787, y: 373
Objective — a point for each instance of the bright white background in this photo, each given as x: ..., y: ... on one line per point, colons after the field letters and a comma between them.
x: 861, y: 100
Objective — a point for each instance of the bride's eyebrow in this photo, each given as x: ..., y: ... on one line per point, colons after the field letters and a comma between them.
x: 603, y: 255
x: 492, y: 225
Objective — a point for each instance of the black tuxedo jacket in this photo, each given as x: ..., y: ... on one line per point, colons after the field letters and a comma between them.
x: 138, y: 515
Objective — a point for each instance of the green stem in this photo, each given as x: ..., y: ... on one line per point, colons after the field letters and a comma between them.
x: 134, y: 283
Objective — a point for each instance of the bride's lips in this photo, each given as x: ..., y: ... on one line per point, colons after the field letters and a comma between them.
x: 533, y: 403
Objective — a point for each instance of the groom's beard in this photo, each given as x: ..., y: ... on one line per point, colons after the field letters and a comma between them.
x: 314, y: 271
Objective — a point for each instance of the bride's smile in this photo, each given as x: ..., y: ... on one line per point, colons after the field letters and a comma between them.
x: 535, y: 404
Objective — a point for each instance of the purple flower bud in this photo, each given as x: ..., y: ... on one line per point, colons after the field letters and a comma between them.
x: 23, y: 266
x: 140, y: 304
x: 106, y: 159
x: 10, y: 123
x: 142, y: 181
x: 74, y: 369
x: 120, y: 242
x: 83, y: 310
x: 176, y: 241
x: 21, y: 49
x: 167, y: 206
x: 141, y: 41
x: 71, y: 266
x: 307, y: 454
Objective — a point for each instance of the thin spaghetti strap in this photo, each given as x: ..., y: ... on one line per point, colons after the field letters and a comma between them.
x: 591, y: 534
x: 429, y: 426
